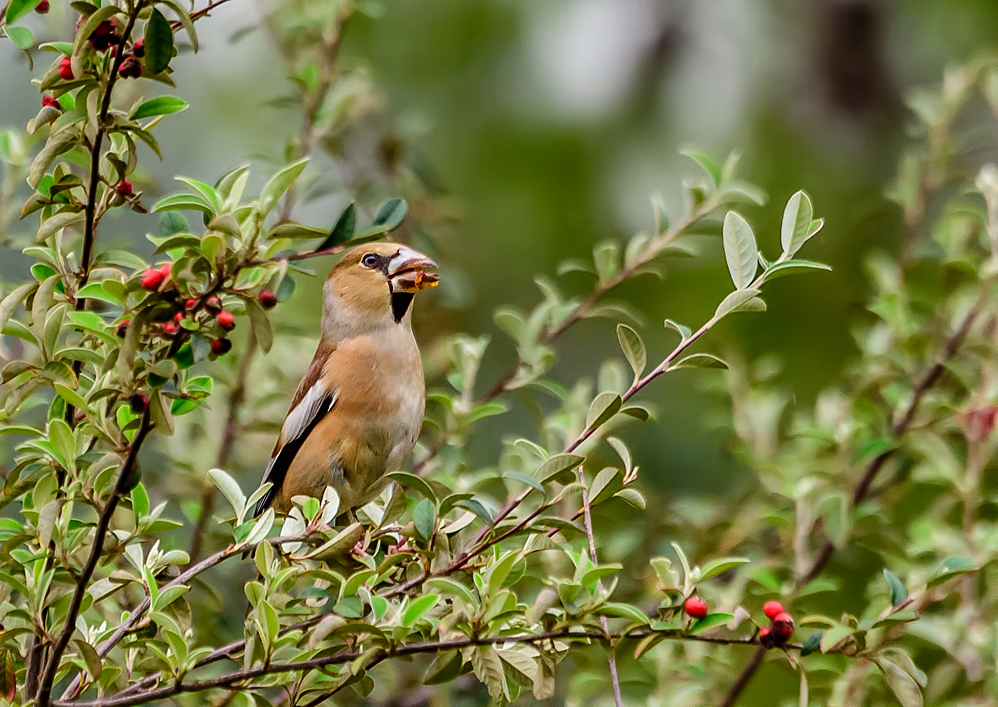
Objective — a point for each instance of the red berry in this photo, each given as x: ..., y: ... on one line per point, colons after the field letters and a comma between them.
x: 213, y: 304
x: 124, y: 188
x: 138, y: 402
x: 190, y: 304
x: 131, y: 68
x: 66, y: 68
x: 122, y: 328
x: 43, y: 7
x: 783, y: 626
x: 104, y: 37
x: 226, y: 320
x: 178, y: 317
x: 268, y: 299
x: 152, y: 279
x: 695, y: 607
x: 139, y: 48
x: 170, y: 329
x: 220, y: 347
x: 772, y: 608
x: 51, y: 102
x: 766, y: 638
x: 165, y: 269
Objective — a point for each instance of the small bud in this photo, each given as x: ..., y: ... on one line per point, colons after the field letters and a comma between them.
x: 978, y: 423
x: 66, y: 68
x: 139, y: 48
x: 220, y: 347
x: 122, y: 328
x: 152, y: 279
x: 190, y: 304
x: 138, y: 403
x: 226, y: 320
x: 268, y: 299
x: 51, y: 102
x: 104, y: 36
x: 124, y: 188
x: 213, y: 304
x: 178, y: 317
x: 766, y: 638
x: 131, y: 68
x: 772, y: 608
x: 695, y: 607
x: 43, y: 7
x: 170, y: 329
x: 783, y: 626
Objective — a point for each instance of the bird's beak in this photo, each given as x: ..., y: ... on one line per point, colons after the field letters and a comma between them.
x: 406, y: 271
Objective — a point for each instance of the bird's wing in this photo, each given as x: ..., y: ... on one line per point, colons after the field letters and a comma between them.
x: 312, y: 401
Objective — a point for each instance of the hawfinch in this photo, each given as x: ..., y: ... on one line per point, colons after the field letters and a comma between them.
x: 359, y: 408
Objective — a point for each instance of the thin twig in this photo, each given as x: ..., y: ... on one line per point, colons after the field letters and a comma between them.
x: 610, y: 655
x: 238, y: 676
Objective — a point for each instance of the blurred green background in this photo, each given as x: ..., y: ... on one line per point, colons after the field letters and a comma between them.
x: 545, y: 126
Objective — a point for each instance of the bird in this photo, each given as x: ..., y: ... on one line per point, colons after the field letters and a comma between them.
x: 359, y: 407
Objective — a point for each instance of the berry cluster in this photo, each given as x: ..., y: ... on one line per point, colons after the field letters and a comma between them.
x: 781, y: 625
x: 159, y: 280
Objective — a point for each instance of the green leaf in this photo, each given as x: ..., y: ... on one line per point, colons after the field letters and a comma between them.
x: 684, y: 331
x: 722, y: 564
x: 20, y: 37
x: 603, y: 407
x: 95, y: 291
x: 423, y: 517
x: 898, y: 591
x: 449, y: 586
x: 187, y: 202
x: 11, y: 301
x: 415, y: 483
x: 789, y: 267
x: 558, y: 465
x: 950, y: 568
x: 230, y: 489
x: 812, y: 643
x: 161, y: 105
x: 633, y: 348
x: 344, y: 228
x: 834, y: 637
x: 418, y: 608
x: 391, y: 214
x: 19, y: 8
x: 622, y: 611
x: 707, y: 163
x: 524, y: 479
x: 796, y: 222
x: 277, y: 185
x: 711, y: 621
x: 901, y: 683
x: 699, y: 360
x: 477, y: 508
x: 735, y: 302
x: 263, y: 331
x: 158, y: 43
x: 740, y: 250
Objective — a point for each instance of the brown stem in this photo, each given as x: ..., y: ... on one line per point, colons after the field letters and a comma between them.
x: 125, y: 474
x: 177, y: 687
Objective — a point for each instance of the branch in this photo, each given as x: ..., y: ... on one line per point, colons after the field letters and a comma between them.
x: 862, y: 488
x: 238, y: 676
x: 125, y: 475
x: 186, y: 576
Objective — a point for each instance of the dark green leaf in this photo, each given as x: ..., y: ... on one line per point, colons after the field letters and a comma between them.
x: 343, y: 231
x: 423, y: 517
x: 158, y: 43
x: 710, y: 621
x: 415, y: 483
x: 477, y: 508
x: 898, y: 591
x: 950, y: 568
x: 812, y: 643
x: 161, y: 105
x: 392, y: 214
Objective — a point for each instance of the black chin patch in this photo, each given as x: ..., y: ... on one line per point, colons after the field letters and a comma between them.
x: 400, y: 304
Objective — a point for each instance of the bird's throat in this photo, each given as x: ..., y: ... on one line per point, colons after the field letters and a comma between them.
x: 400, y: 304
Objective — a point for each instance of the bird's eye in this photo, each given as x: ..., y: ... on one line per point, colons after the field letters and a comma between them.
x: 370, y: 260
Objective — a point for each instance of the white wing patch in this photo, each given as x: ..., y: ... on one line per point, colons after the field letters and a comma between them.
x: 312, y: 404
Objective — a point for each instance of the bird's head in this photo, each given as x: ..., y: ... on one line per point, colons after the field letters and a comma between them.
x: 373, y: 286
